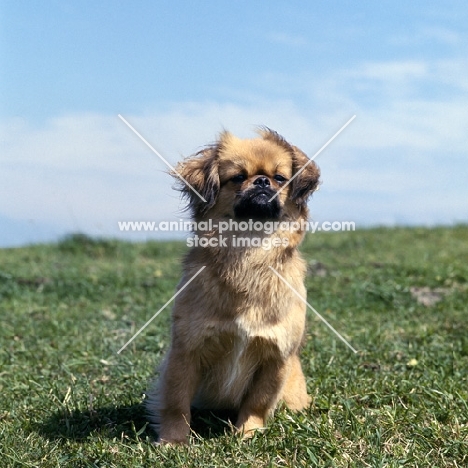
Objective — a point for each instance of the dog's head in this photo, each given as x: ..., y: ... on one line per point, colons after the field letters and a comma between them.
x: 247, y: 179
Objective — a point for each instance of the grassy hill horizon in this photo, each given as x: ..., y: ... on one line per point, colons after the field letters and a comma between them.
x: 398, y: 295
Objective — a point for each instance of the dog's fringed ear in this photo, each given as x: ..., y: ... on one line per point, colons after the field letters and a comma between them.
x: 307, y: 180
x: 201, y: 172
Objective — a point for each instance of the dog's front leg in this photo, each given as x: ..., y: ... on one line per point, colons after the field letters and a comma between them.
x: 262, y: 396
x: 178, y: 386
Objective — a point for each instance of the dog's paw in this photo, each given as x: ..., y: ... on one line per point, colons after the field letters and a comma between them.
x: 248, y: 428
x: 246, y: 435
x: 171, y: 442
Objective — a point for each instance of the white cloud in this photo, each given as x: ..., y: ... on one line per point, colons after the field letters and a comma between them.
x: 406, y: 104
x: 86, y: 171
x: 392, y: 71
x: 401, y: 160
x: 82, y: 172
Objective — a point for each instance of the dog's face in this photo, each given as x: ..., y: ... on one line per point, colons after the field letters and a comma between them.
x: 240, y: 179
x: 250, y: 173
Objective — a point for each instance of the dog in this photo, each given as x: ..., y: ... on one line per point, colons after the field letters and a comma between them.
x: 237, y: 325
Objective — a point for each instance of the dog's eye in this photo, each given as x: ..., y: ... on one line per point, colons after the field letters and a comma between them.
x: 279, y: 178
x: 239, y: 178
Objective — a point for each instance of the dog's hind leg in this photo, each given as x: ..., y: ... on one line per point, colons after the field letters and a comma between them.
x: 295, y: 390
x: 173, y: 395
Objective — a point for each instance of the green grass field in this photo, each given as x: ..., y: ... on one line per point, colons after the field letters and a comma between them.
x: 67, y: 399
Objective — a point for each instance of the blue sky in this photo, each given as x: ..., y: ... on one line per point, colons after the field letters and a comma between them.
x: 182, y: 71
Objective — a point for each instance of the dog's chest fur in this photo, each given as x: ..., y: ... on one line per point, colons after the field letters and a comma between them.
x: 230, y: 361
x: 243, y: 317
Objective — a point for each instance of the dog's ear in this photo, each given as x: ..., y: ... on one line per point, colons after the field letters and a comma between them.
x: 198, y: 179
x: 307, y: 179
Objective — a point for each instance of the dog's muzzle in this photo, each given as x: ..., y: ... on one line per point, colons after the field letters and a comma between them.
x: 255, y: 202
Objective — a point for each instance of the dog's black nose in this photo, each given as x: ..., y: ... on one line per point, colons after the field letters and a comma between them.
x: 262, y: 182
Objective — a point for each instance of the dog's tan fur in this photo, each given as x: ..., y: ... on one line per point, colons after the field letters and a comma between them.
x: 237, y: 328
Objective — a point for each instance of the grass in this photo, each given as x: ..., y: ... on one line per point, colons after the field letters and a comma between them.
x: 68, y: 400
